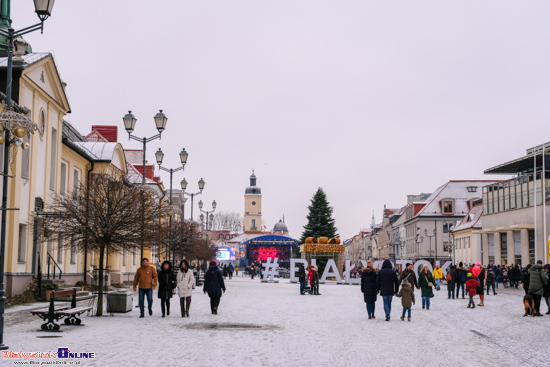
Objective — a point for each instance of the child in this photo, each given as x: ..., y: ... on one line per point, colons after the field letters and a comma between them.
x: 407, y: 299
x: 471, y: 285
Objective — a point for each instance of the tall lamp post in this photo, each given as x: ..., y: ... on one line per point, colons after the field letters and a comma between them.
x: 418, y: 238
x: 19, y: 126
x: 430, y: 237
x: 159, y: 155
x: 130, y: 123
x: 184, y: 186
x: 209, y: 214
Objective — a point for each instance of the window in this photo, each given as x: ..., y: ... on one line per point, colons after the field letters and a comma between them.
x: 503, y: 248
x: 60, y: 243
x: 517, y: 247
x: 76, y: 179
x: 471, y: 188
x: 63, y: 179
x: 22, y: 246
x: 73, y: 252
x: 25, y: 160
x: 253, y: 223
x: 53, y: 159
x: 447, y: 207
x: 491, y: 240
x: 531, y: 246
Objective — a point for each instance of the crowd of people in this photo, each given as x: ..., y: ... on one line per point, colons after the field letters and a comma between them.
x: 475, y: 280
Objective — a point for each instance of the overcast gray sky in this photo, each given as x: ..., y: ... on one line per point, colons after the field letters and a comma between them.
x: 371, y: 100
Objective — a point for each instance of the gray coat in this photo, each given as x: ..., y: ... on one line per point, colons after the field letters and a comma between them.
x: 537, y: 280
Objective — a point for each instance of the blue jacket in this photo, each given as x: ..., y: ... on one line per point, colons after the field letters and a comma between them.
x: 213, y: 282
x: 386, y: 280
x: 230, y: 268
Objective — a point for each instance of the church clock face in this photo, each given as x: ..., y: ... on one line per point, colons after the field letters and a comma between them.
x: 253, y: 203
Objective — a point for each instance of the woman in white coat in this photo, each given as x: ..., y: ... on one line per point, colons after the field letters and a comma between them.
x: 185, y: 287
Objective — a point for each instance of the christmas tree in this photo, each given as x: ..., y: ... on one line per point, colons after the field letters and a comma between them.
x: 319, y: 220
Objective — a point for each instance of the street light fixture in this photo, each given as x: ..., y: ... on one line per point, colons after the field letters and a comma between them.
x: 430, y: 237
x: 21, y: 126
x: 159, y: 155
x: 184, y: 186
x: 209, y: 214
x: 129, y: 124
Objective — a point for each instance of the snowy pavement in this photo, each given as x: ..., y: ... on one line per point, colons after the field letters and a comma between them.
x: 262, y: 324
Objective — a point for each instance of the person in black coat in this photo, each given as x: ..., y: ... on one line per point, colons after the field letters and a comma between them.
x: 214, y: 285
x: 167, y: 282
x: 388, y: 284
x: 302, y: 278
x: 461, y: 275
x: 515, y: 275
x: 369, y: 288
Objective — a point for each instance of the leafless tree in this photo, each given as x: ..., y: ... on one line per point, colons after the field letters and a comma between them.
x: 107, y: 214
x: 189, y: 243
x: 227, y: 221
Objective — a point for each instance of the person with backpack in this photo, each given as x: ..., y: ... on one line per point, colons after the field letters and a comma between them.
x: 451, y: 282
x: 410, y: 275
x: 214, y: 285
x: 438, y: 276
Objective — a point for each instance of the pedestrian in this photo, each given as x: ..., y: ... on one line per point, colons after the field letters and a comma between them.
x: 460, y: 279
x: 236, y: 271
x: 230, y: 270
x: 167, y: 282
x: 225, y: 271
x: 426, y: 282
x: 369, y: 288
x: 146, y: 277
x: 505, y: 278
x: 480, y: 291
x: 438, y: 276
x: 410, y: 275
x: 515, y: 276
x: 407, y: 299
x: 471, y: 287
x: 310, y: 279
x: 302, y: 278
x: 491, y: 280
x: 496, y: 270
x: 451, y: 281
x: 547, y: 287
x: 315, y: 278
x: 252, y: 271
x: 387, y: 283
x: 185, y: 283
x: 214, y: 285
x: 537, y: 282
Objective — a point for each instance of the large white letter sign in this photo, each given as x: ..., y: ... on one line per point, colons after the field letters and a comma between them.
x: 331, y: 271
x: 349, y: 267
x: 294, y: 269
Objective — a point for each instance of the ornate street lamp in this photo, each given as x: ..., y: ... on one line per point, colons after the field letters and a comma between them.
x: 184, y: 186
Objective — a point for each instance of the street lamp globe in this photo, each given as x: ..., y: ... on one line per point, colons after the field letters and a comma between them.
x: 425, y: 231
x: 183, y: 156
x: 214, y: 204
x: 201, y: 184
x: 160, y: 121
x: 129, y: 122
x: 211, y: 217
x: 183, y: 184
x: 202, y: 217
x: 159, y: 155
x: 200, y: 204
x: 43, y: 8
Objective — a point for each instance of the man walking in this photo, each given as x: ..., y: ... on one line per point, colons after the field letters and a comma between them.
x: 460, y: 279
x: 410, y: 275
x: 302, y: 278
x: 537, y: 282
x: 388, y: 283
x: 230, y: 270
x: 146, y: 277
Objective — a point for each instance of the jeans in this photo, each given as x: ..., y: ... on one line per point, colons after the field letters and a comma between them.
x: 458, y: 285
x: 302, y: 286
x: 490, y: 285
x: 512, y: 283
x: 370, y: 307
x: 408, y: 309
x: 387, y: 305
x: 496, y: 282
x: 142, y: 293
x: 437, y: 281
x: 537, y: 298
x: 451, y: 293
x: 426, y: 302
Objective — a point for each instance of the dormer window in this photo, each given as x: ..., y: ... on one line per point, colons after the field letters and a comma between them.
x: 447, y: 207
x: 471, y: 188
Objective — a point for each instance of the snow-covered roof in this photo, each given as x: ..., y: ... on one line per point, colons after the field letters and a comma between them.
x: 472, y: 220
x: 28, y: 58
x: 101, y: 150
x: 456, y: 190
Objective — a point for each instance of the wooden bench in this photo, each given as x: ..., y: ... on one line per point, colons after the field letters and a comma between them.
x: 55, y: 313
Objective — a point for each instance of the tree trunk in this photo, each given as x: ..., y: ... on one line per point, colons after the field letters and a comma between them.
x: 100, y: 283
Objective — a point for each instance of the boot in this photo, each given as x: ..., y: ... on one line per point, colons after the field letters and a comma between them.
x: 402, y: 318
x: 469, y: 306
x: 473, y: 305
x: 187, y: 313
x: 373, y: 315
x: 167, y: 310
x: 408, y: 319
x: 370, y: 317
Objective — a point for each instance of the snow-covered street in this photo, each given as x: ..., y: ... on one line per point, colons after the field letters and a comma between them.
x: 262, y: 324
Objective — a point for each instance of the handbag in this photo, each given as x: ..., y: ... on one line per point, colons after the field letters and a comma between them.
x: 430, y: 284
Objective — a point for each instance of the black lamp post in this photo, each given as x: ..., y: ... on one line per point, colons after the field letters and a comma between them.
x: 43, y: 9
x: 430, y: 237
x: 130, y: 123
x: 183, y: 159
x: 418, y: 238
x: 209, y: 214
x: 184, y: 186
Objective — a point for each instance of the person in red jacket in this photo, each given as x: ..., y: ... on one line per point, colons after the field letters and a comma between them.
x: 310, y: 278
x: 471, y: 285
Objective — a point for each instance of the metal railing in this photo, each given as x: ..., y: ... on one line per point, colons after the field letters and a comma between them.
x: 55, y: 265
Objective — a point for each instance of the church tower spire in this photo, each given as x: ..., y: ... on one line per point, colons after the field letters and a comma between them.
x: 253, y: 206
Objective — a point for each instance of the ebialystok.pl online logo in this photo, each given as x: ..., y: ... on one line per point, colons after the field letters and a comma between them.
x: 62, y: 356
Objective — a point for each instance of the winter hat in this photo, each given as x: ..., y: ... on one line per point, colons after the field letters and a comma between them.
x: 478, y: 263
x: 407, y: 265
x: 460, y: 264
x: 405, y: 282
x: 469, y: 275
x: 316, y: 268
x: 213, y: 262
